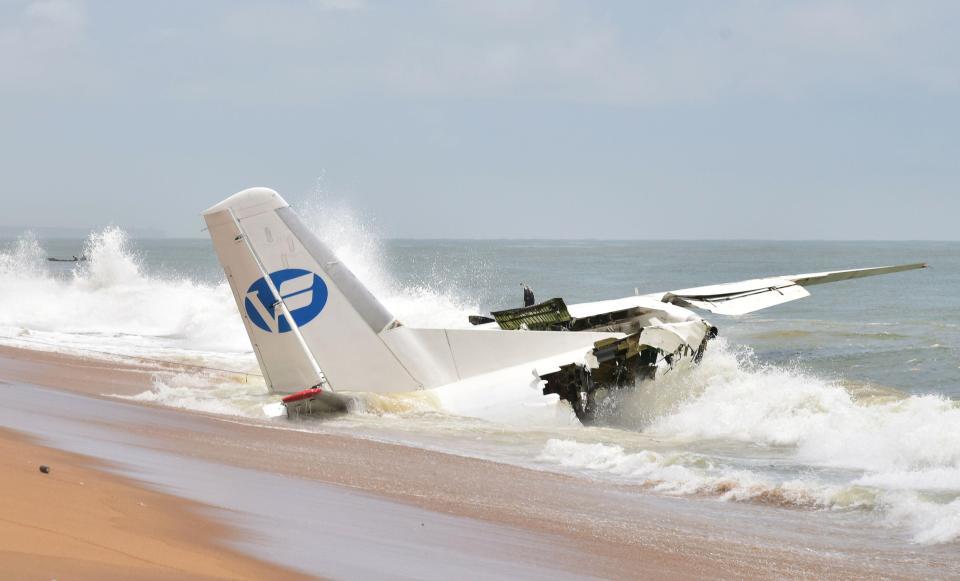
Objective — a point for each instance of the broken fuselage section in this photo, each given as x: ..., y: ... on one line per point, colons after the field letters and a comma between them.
x: 657, y: 337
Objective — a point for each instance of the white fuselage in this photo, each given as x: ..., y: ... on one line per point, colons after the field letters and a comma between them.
x: 518, y: 389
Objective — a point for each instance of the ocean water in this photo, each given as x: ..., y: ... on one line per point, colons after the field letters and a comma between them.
x: 845, y: 402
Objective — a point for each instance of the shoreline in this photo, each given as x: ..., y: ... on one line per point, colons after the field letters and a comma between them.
x: 79, y: 521
x: 577, y: 526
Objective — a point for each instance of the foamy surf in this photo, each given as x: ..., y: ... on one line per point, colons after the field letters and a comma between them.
x: 109, y: 304
x: 928, y: 518
x: 738, y: 430
x: 110, y: 307
x: 732, y: 428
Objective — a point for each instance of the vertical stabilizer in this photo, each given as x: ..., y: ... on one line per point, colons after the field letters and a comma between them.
x: 256, y: 235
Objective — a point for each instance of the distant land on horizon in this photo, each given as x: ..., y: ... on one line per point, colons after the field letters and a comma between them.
x: 8, y: 233
x: 65, y: 232
x: 79, y: 233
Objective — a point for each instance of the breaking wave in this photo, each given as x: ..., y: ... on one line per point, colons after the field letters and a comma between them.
x: 108, y: 302
x: 731, y: 428
x: 113, y: 305
x: 738, y: 430
x: 424, y: 303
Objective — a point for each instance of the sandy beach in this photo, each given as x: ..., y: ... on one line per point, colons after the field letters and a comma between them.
x: 78, y: 521
x: 337, y: 506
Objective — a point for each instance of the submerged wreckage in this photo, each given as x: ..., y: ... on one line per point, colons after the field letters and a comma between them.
x: 318, y: 332
x: 651, y: 336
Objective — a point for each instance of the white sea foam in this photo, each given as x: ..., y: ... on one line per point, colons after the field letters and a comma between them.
x: 789, y: 438
x: 110, y: 307
x: 357, y: 245
x: 232, y: 397
x: 929, y: 522
x: 732, y: 398
x: 109, y: 302
x: 683, y: 472
x: 928, y: 519
x: 833, y: 447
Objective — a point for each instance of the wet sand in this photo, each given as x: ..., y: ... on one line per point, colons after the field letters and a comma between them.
x: 341, y: 506
x: 79, y: 522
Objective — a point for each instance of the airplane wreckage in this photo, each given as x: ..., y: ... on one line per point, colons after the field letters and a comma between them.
x: 317, y: 332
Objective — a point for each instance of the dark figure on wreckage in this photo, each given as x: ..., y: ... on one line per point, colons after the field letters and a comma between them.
x: 528, y: 300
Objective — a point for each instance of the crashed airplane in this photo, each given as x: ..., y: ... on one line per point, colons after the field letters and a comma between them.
x: 318, y: 332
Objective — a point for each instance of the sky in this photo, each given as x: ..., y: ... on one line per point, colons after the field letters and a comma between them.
x: 489, y: 119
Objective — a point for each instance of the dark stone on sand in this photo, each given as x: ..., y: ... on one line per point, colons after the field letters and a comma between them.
x: 45, y: 469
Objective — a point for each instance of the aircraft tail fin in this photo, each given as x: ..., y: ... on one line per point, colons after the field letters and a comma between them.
x: 303, y: 309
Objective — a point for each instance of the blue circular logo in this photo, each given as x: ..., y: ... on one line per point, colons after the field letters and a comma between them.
x: 304, y: 293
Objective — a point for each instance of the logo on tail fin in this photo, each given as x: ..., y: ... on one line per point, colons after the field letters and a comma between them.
x: 304, y: 293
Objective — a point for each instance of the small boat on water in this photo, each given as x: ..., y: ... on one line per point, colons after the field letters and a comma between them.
x: 80, y: 258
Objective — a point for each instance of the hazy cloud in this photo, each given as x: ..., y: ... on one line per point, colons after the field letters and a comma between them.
x: 144, y: 110
x: 643, y: 53
x: 630, y: 53
x: 339, y: 5
x: 41, y: 44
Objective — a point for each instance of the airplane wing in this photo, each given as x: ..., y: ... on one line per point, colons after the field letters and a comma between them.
x: 738, y: 298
